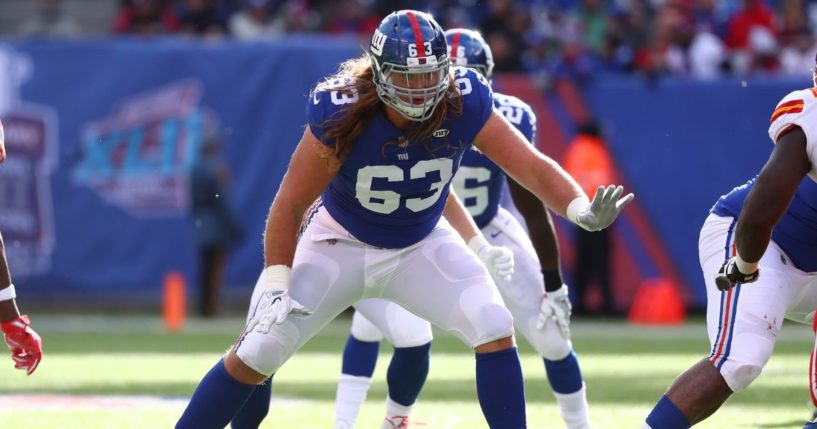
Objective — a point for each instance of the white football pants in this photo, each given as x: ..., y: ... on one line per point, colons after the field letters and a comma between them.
x: 522, y: 295
x: 744, y: 321
x: 438, y: 278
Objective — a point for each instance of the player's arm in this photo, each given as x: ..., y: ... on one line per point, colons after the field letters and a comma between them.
x: 543, y: 177
x: 459, y: 218
x: 498, y: 259
x: 541, y: 232
x: 23, y: 342
x: 556, y: 303
x: 8, y: 307
x: 306, y: 177
x: 769, y: 198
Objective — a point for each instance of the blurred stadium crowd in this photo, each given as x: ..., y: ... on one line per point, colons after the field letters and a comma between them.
x: 701, y: 39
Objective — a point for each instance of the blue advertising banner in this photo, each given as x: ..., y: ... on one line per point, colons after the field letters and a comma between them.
x: 101, y: 136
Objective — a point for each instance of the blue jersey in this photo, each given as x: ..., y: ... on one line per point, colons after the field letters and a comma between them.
x: 389, y: 193
x: 479, y: 181
x: 796, y: 233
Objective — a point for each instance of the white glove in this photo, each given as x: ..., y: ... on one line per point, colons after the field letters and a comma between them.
x: 602, y: 211
x: 497, y: 259
x: 556, y: 305
x: 275, y: 304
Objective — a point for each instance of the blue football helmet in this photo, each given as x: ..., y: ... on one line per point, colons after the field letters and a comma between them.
x: 410, y: 63
x: 467, y: 48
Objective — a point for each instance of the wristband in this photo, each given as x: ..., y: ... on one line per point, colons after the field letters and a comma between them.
x: 553, y: 280
x: 277, y: 276
x: 577, y: 205
x: 8, y: 293
x: 477, y: 242
x: 745, y: 267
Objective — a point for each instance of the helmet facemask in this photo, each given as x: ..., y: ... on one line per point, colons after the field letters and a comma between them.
x: 414, y: 89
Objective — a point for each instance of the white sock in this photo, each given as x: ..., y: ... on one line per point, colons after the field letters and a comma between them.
x: 393, y: 409
x: 349, y: 398
x: 573, y: 408
x: 646, y: 426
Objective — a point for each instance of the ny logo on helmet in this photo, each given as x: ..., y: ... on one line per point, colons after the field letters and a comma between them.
x: 378, y: 40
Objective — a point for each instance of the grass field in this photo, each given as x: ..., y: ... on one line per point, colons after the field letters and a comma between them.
x: 108, y: 360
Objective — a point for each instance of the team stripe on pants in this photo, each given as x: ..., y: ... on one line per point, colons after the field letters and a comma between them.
x: 728, y: 311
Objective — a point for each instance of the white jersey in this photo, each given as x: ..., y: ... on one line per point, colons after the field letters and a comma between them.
x: 798, y: 108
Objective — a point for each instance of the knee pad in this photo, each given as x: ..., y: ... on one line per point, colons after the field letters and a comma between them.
x: 265, y: 353
x: 364, y: 330
x: 740, y: 376
x: 549, y: 342
x: 491, y: 322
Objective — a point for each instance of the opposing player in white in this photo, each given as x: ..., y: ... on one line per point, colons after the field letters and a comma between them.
x: 535, y: 294
x: 384, y: 138
x: 758, y: 252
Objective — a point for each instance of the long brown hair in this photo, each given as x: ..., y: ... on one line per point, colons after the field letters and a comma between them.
x: 347, y: 124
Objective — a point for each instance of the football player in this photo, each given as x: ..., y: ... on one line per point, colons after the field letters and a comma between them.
x: 758, y: 252
x: 23, y: 342
x: 536, y: 295
x: 385, y: 136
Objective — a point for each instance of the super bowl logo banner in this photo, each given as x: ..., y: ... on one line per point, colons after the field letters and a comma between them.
x: 26, y: 212
x: 139, y: 157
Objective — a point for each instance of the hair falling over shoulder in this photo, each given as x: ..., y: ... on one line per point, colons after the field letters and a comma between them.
x: 346, y: 125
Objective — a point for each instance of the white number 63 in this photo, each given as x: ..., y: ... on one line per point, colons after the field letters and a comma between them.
x: 386, y: 202
x: 412, y: 47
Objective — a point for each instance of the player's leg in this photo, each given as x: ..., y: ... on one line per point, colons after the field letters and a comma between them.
x: 523, y: 295
x: 441, y: 281
x: 255, y: 409
x: 742, y: 323
x: 408, y: 369
x: 358, y: 363
x: 326, y: 278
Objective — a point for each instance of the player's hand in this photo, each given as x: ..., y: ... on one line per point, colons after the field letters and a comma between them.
x: 498, y: 260
x: 729, y: 275
x: 273, y: 308
x: 556, y: 305
x: 274, y: 304
x: 604, y: 208
x: 25, y: 344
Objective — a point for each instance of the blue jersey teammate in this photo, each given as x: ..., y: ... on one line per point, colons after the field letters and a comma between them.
x: 384, y: 138
x: 758, y: 253
x: 535, y: 295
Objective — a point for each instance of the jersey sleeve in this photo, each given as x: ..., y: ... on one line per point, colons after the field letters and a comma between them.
x: 317, y: 113
x: 326, y: 103
x: 518, y: 113
x: 477, y: 97
x: 797, y: 109
x: 528, y: 125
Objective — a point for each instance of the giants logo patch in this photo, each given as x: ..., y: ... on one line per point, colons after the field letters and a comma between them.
x: 378, y: 40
